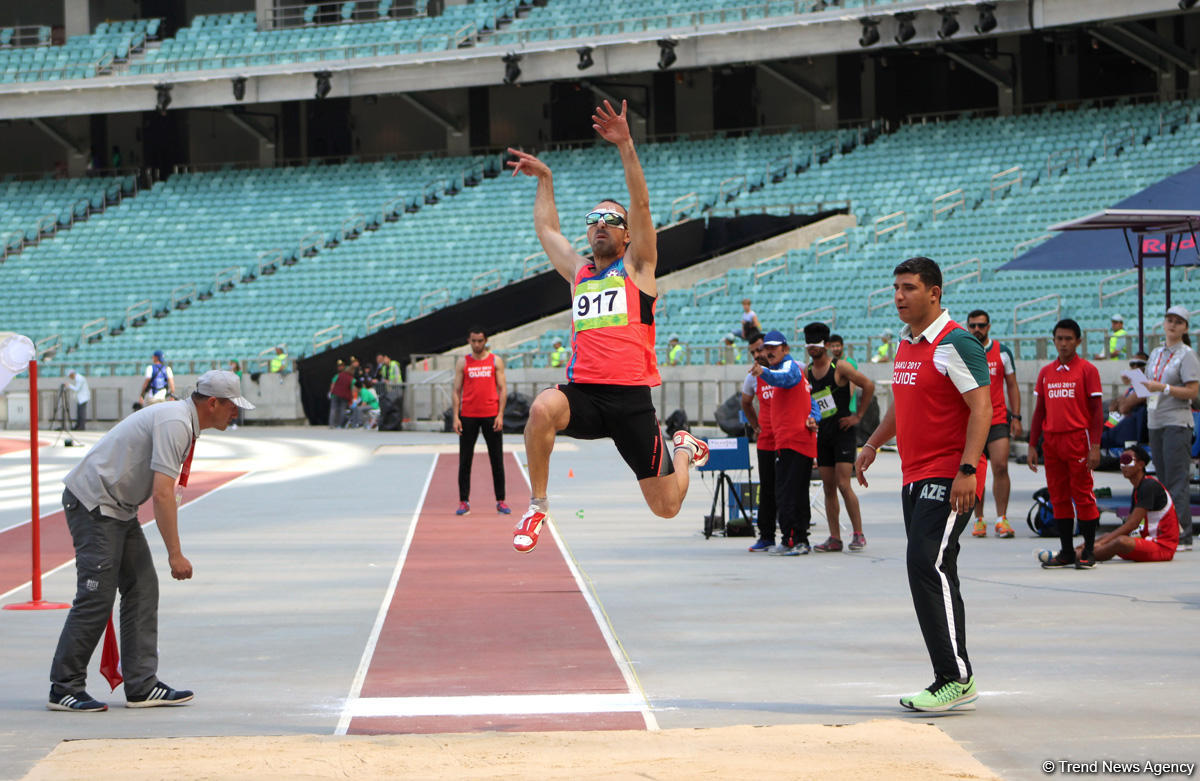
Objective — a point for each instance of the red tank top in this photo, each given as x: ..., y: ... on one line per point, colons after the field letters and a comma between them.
x: 931, y: 416
x: 790, y: 409
x: 480, y: 398
x: 766, y: 433
x: 612, y: 330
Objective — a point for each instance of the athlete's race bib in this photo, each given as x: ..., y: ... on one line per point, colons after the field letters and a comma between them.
x: 825, y: 403
x: 600, y: 303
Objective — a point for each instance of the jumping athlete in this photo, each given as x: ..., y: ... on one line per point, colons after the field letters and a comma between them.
x: 1002, y: 374
x: 940, y: 413
x: 1070, y: 411
x: 837, y: 443
x: 613, y: 364
x: 479, y: 395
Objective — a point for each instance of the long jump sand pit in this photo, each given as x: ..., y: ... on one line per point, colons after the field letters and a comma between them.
x: 889, y: 749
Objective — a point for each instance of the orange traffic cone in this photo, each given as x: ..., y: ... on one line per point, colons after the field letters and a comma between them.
x: 570, y: 473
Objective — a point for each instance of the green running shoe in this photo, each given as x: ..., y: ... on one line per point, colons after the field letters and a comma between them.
x: 942, y: 695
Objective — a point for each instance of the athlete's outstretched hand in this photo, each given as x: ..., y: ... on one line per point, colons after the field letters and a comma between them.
x: 611, y: 126
x: 527, y: 164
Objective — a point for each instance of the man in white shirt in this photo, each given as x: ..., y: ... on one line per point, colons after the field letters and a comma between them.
x: 77, y: 384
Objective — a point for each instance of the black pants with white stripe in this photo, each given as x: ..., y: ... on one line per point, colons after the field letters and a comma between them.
x: 933, y: 573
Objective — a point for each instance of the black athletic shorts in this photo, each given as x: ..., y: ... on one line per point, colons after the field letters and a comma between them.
x: 999, y: 431
x: 624, y: 413
x: 836, y: 445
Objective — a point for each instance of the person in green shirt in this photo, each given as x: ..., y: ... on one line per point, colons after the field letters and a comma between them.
x: 730, y: 354
x: 674, y: 351
x: 884, y: 352
x: 559, y: 355
x: 1116, y: 341
x: 366, y: 408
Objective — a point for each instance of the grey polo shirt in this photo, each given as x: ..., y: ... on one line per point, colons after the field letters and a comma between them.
x: 117, y: 474
x: 1176, y: 366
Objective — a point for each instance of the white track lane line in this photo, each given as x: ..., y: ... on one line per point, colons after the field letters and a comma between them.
x: 614, y: 648
x: 352, y: 700
x: 146, y: 525
x: 498, y: 704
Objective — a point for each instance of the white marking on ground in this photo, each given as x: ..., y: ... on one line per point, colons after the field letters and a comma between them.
x: 500, y: 704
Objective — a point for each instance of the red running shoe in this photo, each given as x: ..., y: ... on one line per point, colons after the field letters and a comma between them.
x: 698, y: 449
x: 525, y: 535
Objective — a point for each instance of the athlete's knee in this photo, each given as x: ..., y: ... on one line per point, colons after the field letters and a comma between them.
x: 1000, y: 469
x: 548, y: 408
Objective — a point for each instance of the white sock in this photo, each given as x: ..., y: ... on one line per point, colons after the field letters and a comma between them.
x: 541, y: 504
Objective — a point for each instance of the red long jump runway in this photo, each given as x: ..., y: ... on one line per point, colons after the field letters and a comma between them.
x: 57, y: 550
x: 11, y: 445
x: 479, y: 637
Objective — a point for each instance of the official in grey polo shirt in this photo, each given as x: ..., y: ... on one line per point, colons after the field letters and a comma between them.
x: 1174, y: 377
x: 141, y: 458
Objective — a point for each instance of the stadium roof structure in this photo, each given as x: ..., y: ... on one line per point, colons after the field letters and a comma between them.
x: 1170, y: 208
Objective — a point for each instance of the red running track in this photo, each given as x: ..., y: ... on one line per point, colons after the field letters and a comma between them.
x: 10, y: 445
x: 471, y: 617
x: 16, y: 543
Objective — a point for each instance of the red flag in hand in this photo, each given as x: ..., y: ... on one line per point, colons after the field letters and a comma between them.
x: 110, y: 657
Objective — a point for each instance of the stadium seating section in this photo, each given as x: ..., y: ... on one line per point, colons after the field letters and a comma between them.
x: 81, y: 57
x: 234, y: 261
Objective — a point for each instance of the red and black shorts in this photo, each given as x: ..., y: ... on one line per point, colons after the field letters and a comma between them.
x: 624, y: 413
x: 1149, y: 549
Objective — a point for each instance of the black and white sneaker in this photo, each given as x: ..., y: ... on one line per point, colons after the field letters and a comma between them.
x: 160, y: 696
x: 81, y: 702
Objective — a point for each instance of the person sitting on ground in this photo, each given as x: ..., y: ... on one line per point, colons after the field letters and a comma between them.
x: 1150, y: 504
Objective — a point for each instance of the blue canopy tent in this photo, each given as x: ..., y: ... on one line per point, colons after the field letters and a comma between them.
x: 1169, y: 209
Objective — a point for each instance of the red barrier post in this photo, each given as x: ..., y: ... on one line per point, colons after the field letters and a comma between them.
x: 36, y: 528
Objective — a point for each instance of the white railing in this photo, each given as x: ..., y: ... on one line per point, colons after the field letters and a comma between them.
x: 1019, y: 248
x: 227, y: 277
x: 808, y: 317
x: 93, y: 329
x: 830, y: 245
x: 731, y: 188
x: 1182, y: 115
x: 976, y: 273
x: 327, y: 336
x: 529, y: 268
x: 682, y: 205
x: 140, y: 309
x: 485, y: 281
x: 13, y: 242
x: 353, y: 227
x: 47, y: 346
x: 379, y: 318
x: 1006, y: 179
x: 1112, y: 278
x: 310, y: 244
x: 769, y: 265
x: 391, y: 210
x: 779, y: 168
x: 432, y: 300
x: 718, y: 285
x: 1055, y: 310
x: 1118, y: 139
x: 184, y: 294
x: 948, y: 202
x: 890, y: 223
x: 871, y: 306
x: 1061, y: 157
x: 269, y: 261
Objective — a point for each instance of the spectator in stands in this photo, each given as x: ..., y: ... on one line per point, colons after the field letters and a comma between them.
x: 884, y: 352
x: 77, y: 384
x: 1116, y: 340
x: 341, y: 393
x: 759, y: 423
x: 1150, y: 504
x: 159, y: 384
x: 730, y: 354
x: 559, y: 355
x: 794, y: 416
x: 674, y: 351
x: 750, y: 323
x: 1173, y: 373
x: 279, y: 361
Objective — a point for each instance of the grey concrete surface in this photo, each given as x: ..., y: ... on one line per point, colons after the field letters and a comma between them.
x: 293, y: 561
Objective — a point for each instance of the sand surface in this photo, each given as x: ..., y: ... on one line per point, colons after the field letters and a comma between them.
x: 881, y: 749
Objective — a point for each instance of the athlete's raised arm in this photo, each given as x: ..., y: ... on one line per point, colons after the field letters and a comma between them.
x: 562, y: 255
x: 641, y: 258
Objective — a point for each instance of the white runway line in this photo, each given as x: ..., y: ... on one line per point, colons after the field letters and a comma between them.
x: 618, y: 653
x: 498, y: 704
x: 353, y: 699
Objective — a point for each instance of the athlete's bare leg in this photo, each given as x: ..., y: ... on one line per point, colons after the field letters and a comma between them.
x: 844, y: 473
x: 664, y: 494
x: 829, y: 482
x: 1001, y: 483
x: 549, y: 414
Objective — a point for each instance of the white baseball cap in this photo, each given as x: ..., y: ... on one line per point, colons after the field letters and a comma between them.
x: 1116, y: 318
x: 221, y: 384
x: 1180, y: 311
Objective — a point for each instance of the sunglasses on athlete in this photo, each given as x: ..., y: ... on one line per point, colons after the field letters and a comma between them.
x: 615, y: 219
